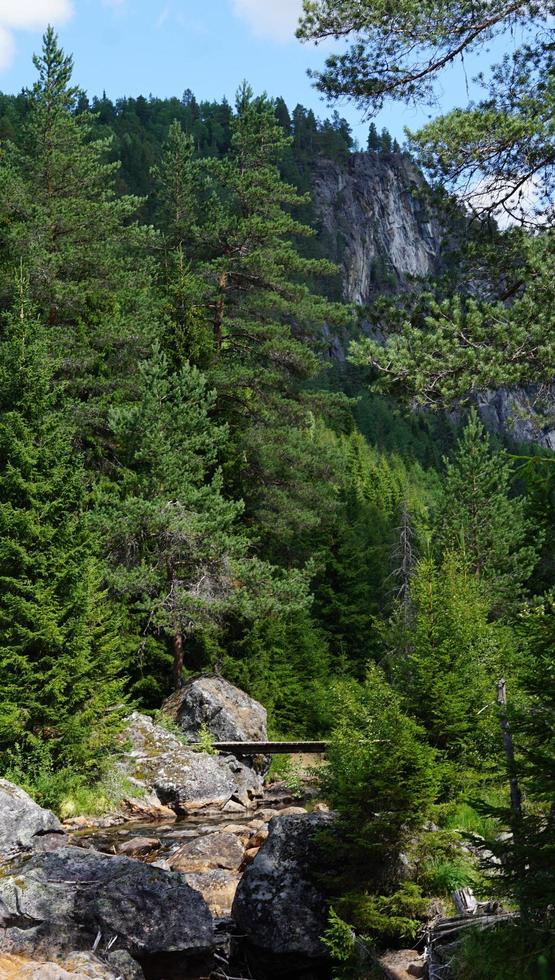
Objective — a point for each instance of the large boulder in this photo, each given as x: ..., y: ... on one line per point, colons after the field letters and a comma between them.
x: 24, y: 825
x: 228, y: 713
x: 182, y: 778
x: 74, y: 899
x: 278, y: 906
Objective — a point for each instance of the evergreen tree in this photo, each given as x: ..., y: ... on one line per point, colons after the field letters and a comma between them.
x: 88, y: 276
x: 527, y: 869
x: 239, y: 236
x: 177, y: 555
x: 382, y: 778
x: 480, y: 518
x: 446, y: 663
x: 62, y: 694
x: 373, y: 139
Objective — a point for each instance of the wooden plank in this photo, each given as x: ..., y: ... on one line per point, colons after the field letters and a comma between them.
x: 271, y: 748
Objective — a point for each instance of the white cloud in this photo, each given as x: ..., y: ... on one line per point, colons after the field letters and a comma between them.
x: 6, y: 48
x: 276, y: 19
x: 28, y: 15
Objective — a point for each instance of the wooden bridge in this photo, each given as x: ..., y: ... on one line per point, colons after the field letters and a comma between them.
x: 271, y: 748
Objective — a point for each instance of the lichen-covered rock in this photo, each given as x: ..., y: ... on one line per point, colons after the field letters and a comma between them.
x: 218, y: 850
x: 181, y: 778
x: 73, y: 899
x: 278, y: 907
x: 228, y: 713
x: 23, y: 823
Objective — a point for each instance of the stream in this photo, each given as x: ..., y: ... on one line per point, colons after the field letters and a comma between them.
x: 198, y: 844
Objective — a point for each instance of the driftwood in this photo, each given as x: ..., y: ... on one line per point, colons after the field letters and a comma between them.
x: 464, y: 901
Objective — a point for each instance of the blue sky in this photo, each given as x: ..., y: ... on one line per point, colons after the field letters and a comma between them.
x: 161, y: 47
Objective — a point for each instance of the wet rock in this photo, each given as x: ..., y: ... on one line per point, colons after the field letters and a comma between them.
x: 217, y: 887
x: 181, y: 778
x: 138, y: 846
x: 219, y: 850
x: 228, y: 713
x: 72, y: 899
x: 278, y: 907
x: 23, y: 822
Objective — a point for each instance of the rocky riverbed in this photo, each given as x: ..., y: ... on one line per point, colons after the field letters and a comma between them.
x: 203, y: 871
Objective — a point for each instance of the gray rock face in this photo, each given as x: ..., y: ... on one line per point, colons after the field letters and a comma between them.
x: 277, y: 906
x: 181, y: 778
x: 525, y: 414
x: 69, y: 899
x: 24, y: 825
x: 377, y: 225
x: 227, y: 712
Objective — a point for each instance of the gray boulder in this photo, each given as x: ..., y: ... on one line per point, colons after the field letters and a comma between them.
x: 277, y: 906
x: 24, y: 825
x: 227, y: 712
x: 182, y: 778
x: 74, y: 899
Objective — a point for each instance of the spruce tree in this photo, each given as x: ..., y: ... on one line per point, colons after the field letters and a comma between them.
x: 445, y: 662
x: 480, y: 518
x: 61, y: 690
x: 89, y: 278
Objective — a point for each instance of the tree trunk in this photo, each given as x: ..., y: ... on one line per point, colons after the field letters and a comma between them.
x: 178, y: 661
x: 516, y: 801
x: 220, y: 310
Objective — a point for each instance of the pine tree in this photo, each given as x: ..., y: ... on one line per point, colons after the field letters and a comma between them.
x: 176, y: 552
x: 480, y: 518
x: 238, y: 236
x: 58, y: 651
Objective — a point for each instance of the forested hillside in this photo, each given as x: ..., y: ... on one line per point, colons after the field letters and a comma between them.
x: 190, y: 484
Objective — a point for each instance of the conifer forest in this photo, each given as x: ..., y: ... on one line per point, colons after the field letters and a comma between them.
x: 223, y: 460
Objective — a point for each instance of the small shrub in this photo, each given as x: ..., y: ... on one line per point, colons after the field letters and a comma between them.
x: 392, y: 917
x: 205, y: 741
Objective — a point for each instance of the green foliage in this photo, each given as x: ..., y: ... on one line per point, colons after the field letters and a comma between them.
x: 61, y: 681
x: 446, y: 662
x: 206, y: 740
x: 392, y: 917
x: 339, y: 938
x: 479, y: 518
x: 382, y: 777
x: 510, y: 951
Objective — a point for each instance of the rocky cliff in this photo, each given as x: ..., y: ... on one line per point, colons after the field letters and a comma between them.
x: 378, y: 226
x: 380, y: 230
